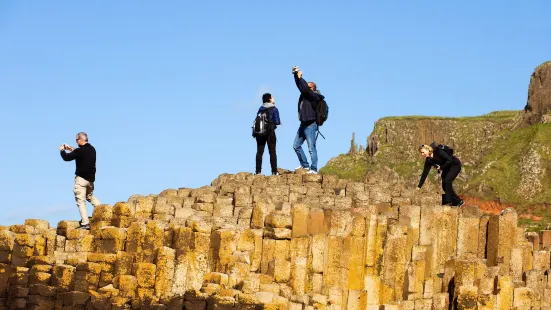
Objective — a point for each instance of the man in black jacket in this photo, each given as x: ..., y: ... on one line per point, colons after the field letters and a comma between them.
x: 307, y: 104
x: 85, y: 174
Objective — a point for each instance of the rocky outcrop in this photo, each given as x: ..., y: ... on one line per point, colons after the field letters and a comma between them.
x: 472, y: 137
x: 539, y: 95
x: 279, y: 242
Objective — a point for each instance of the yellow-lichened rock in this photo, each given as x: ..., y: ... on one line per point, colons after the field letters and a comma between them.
x: 468, y: 298
x: 467, y: 237
x: 317, y: 243
x: 38, y: 224
x: 102, y: 212
x: 7, y: 240
x: 280, y: 270
x: 505, y: 296
x: 524, y: 298
x: 300, y: 216
x: 126, y: 285
x: 373, y: 286
x: 165, y: 271
x: 145, y: 274
x: 63, y: 277
x: 486, y: 302
x: 356, y: 266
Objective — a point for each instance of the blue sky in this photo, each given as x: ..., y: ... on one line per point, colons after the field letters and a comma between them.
x: 167, y: 92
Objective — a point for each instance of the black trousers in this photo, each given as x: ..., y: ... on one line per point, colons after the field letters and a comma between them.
x: 448, y: 176
x: 260, y: 145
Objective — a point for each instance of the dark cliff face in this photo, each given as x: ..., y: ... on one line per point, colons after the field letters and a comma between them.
x: 539, y: 95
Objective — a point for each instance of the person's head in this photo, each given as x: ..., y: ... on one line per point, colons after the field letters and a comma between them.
x: 426, y: 150
x: 312, y: 86
x: 82, y: 138
x: 267, y: 97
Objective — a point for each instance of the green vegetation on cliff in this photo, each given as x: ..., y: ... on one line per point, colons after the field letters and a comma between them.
x: 502, y: 161
x: 519, y: 167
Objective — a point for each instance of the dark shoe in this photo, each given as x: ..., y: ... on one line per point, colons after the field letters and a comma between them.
x: 85, y: 227
x: 275, y: 173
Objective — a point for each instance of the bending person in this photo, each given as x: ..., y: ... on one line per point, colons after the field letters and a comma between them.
x: 448, y: 165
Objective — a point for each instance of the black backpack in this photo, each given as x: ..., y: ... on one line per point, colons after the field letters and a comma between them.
x: 263, y: 125
x: 443, y: 147
x: 322, y: 112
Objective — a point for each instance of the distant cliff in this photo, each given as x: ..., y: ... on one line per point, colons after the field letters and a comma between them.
x: 506, y: 154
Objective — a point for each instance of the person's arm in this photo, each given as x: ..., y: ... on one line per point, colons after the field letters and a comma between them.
x: 302, y: 86
x: 275, y: 117
x: 448, y: 161
x: 69, y: 156
x: 426, y: 170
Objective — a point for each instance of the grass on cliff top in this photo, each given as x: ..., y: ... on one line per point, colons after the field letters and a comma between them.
x: 347, y: 167
x: 497, y: 116
x: 501, y: 169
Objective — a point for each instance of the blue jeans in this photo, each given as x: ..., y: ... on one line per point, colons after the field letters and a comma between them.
x: 307, y: 133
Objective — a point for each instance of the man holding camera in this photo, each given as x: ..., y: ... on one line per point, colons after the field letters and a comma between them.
x: 85, y: 158
x: 307, y: 104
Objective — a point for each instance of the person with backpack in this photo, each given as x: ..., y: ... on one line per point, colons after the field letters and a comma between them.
x: 442, y: 159
x: 312, y: 112
x: 264, y: 127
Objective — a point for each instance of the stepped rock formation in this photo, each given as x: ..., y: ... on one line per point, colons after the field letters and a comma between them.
x: 279, y: 242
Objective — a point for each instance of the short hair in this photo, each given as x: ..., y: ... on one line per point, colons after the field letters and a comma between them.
x: 266, y: 97
x: 427, y: 148
x: 313, y: 84
x: 82, y: 135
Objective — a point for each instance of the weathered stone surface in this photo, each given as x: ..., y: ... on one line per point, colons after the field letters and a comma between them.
x: 539, y: 95
x: 283, y: 242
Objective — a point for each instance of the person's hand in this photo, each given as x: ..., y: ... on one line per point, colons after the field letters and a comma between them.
x: 438, y: 167
x: 299, y: 74
x: 62, y: 147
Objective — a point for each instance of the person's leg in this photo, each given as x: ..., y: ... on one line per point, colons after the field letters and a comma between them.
x: 260, y: 144
x: 297, y: 146
x: 80, y: 197
x: 90, y: 195
x: 445, y: 197
x: 310, y: 133
x: 452, y: 173
x: 272, y: 149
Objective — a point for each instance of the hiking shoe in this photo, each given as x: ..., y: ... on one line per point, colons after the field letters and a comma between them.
x: 86, y: 227
x: 301, y: 167
x: 275, y: 173
x: 312, y: 172
x: 461, y: 203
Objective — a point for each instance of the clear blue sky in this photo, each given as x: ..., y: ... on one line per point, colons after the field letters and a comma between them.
x: 167, y: 91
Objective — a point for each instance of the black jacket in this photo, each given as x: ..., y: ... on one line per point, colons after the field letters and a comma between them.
x: 307, y: 102
x: 85, y: 157
x: 440, y: 158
